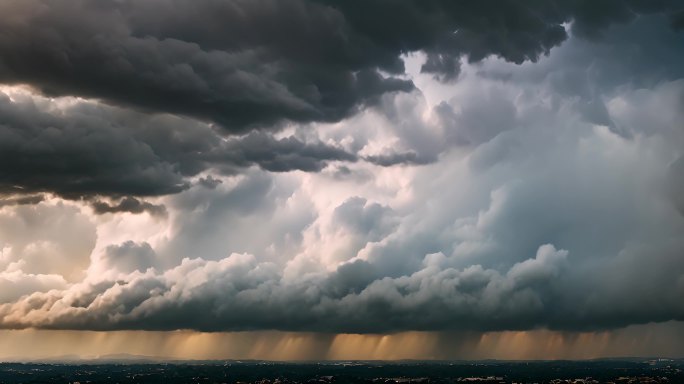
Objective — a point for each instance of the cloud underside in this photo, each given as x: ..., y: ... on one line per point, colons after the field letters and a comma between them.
x: 357, y: 166
x: 237, y: 66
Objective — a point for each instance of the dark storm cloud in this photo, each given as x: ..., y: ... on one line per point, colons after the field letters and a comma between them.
x: 393, y: 158
x: 255, y: 63
x: 514, y: 30
x: 77, y: 152
x: 281, y: 155
x: 209, y: 182
x: 643, y: 54
x: 239, y: 63
x: 130, y: 205
x: 243, y: 65
x: 238, y: 293
x: 86, y: 149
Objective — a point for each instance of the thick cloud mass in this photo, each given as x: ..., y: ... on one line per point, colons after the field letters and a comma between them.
x: 341, y: 166
x: 245, y: 63
x: 242, y: 65
x: 239, y: 293
x: 76, y: 148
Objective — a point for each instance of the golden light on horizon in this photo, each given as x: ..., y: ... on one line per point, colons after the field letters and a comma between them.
x: 642, y: 340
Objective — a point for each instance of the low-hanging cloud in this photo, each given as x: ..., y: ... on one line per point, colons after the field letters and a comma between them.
x: 83, y: 149
x: 239, y: 293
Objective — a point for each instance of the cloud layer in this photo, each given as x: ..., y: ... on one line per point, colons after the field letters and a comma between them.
x: 360, y: 167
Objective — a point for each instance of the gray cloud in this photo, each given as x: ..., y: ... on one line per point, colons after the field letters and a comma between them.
x: 85, y: 149
x: 238, y: 293
x: 209, y: 182
x: 82, y: 150
x: 240, y: 64
x: 130, y: 205
x: 642, y: 54
x: 392, y: 158
x: 515, y: 31
x: 280, y: 155
x: 243, y: 65
x: 371, y: 220
x: 255, y: 63
x: 21, y: 200
x: 130, y: 256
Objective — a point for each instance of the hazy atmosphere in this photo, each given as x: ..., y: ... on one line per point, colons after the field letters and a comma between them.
x: 357, y: 179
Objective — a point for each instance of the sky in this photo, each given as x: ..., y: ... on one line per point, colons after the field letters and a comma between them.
x: 360, y: 179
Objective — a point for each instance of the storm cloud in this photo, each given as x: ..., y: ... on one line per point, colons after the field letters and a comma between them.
x: 129, y: 204
x: 255, y: 63
x: 240, y: 65
x: 75, y: 148
x: 341, y: 166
